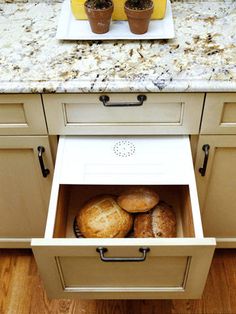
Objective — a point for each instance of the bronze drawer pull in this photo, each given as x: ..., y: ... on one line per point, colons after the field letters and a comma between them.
x: 105, y: 100
x: 206, y: 149
x: 45, y: 171
x: 143, y: 250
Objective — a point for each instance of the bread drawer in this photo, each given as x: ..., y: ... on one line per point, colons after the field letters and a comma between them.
x: 89, y: 166
x: 219, y: 114
x: 123, y: 113
x: 21, y: 115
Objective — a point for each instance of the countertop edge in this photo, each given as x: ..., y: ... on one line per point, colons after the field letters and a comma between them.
x: 118, y: 87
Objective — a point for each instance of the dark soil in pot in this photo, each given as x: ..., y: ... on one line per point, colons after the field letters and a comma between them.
x: 139, y: 13
x: 99, y: 15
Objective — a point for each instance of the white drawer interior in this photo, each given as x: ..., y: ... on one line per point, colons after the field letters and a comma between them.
x: 124, y: 160
x: 90, y: 166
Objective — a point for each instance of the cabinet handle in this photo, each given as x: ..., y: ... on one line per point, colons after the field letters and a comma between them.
x: 105, y: 100
x: 206, y: 149
x: 45, y: 171
x: 143, y: 250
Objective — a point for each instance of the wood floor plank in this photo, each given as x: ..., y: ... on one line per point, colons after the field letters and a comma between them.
x: 22, y: 292
x: 5, y: 275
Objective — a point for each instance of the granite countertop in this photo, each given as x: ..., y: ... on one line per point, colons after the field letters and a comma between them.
x: 202, y: 57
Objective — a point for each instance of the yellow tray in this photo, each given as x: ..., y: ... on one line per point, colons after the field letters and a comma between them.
x: 77, y: 7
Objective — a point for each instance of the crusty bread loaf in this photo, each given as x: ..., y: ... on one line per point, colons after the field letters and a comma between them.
x: 160, y: 222
x: 102, y: 217
x: 138, y: 199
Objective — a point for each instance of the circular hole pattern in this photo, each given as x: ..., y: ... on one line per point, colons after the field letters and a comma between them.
x: 124, y: 148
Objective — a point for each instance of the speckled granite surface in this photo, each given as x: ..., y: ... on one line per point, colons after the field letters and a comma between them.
x: 202, y: 57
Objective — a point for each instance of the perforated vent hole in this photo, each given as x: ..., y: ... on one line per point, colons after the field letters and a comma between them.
x: 124, y: 148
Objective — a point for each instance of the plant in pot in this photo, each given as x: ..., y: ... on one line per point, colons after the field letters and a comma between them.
x: 138, y: 14
x: 99, y: 14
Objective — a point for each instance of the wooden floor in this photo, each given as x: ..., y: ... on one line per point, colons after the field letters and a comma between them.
x: 21, y: 291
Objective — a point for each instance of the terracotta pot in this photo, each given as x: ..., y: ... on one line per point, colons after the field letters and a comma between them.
x: 139, y: 19
x: 99, y: 20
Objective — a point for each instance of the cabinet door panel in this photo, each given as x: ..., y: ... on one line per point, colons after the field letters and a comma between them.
x: 217, y: 189
x: 24, y: 192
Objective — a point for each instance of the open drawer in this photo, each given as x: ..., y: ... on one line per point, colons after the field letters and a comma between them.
x: 90, y: 166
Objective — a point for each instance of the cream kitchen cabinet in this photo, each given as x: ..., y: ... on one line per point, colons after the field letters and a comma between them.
x: 216, y: 187
x: 92, y: 163
x: 216, y: 181
x: 25, y: 192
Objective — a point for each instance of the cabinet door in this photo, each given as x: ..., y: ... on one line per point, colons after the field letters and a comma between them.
x: 24, y: 192
x: 217, y: 188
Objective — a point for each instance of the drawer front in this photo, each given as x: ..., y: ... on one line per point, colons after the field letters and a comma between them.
x: 21, y: 115
x: 159, y: 114
x: 219, y: 114
x: 174, y: 268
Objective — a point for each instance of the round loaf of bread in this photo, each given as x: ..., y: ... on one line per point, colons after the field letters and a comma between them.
x: 160, y: 222
x: 138, y: 199
x: 102, y: 217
